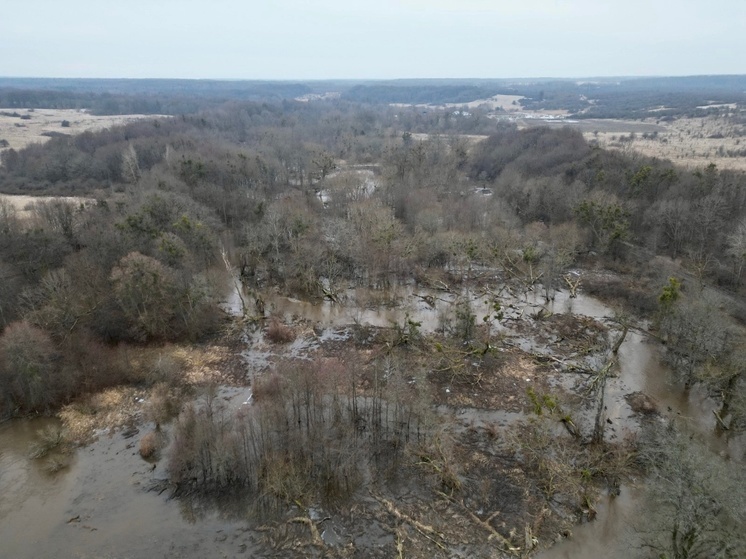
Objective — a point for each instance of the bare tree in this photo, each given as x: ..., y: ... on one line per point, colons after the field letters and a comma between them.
x: 696, y: 509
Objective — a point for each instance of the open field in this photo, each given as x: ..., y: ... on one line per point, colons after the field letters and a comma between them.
x: 21, y: 127
x: 509, y: 103
x: 690, y: 142
x: 501, y: 103
x: 24, y: 204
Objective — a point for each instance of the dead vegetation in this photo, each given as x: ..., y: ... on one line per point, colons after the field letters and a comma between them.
x: 687, y: 141
x: 167, y: 376
x: 39, y: 125
x: 152, y: 443
x: 278, y: 332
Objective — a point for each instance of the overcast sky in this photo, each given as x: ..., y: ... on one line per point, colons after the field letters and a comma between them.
x: 318, y: 39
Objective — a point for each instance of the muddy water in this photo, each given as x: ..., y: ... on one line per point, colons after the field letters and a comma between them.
x: 641, y: 369
x: 640, y: 363
x: 429, y: 307
x: 99, y: 506
x: 611, y: 535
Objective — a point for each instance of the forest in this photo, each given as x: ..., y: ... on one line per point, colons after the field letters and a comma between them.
x: 313, y: 200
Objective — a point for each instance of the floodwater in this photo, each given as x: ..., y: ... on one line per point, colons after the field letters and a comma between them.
x: 100, y: 506
x: 429, y: 307
x: 611, y: 535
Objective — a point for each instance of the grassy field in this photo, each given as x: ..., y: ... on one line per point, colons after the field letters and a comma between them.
x: 24, y: 204
x: 690, y: 142
x: 21, y: 127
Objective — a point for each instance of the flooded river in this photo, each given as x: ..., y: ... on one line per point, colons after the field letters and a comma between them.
x: 100, y: 506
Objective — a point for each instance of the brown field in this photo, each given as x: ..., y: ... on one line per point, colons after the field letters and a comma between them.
x: 24, y: 204
x: 20, y: 132
x: 689, y: 142
x: 504, y: 103
x: 510, y: 103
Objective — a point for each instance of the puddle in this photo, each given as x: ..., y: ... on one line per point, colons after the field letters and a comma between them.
x: 394, y: 305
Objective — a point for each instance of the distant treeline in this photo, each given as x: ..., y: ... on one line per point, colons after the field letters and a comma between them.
x: 592, y: 98
x: 634, y: 97
x: 420, y: 94
x: 127, y: 96
x: 584, y: 98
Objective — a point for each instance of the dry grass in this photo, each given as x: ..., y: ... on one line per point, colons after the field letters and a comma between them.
x: 21, y: 132
x: 24, y: 204
x: 109, y: 409
x: 167, y: 371
x: 50, y: 438
x: 267, y: 387
x: 205, y: 364
x: 185, y: 365
x: 163, y: 403
x: 686, y: 141
x: 56, y: 463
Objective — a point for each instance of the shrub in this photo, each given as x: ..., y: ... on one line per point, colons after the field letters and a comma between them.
x: 279, y: 333
x: 151, y: 443
x: 267, y: 387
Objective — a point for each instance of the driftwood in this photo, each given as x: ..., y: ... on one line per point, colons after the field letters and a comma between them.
x: 511, y: 267
x: 720, y: 421
x: 572, y: 284
x: 428, y: 531
x: 620, y: 341
x: 429, y: 299
x: 570, y: 426
x: 567, y: 367
x: 599, y: 383
x: 330, y: 294
x: 485, y: 524
x: 315, y: 536
x: 440, y: 285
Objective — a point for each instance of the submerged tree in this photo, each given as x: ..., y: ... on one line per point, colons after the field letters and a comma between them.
x: 696, y: 507
x: 696, y: 333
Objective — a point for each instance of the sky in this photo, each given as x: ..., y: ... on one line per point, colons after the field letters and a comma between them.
x: 370, y: 39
